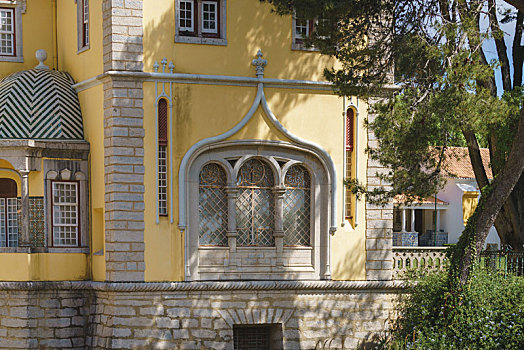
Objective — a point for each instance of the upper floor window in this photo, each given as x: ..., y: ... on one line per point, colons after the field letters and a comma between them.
x: 304, y: 29
x: 162, y: 157
x: 83, y: 24
x: 201, y: 21
x: 7, y: 32
x: 11, y: 34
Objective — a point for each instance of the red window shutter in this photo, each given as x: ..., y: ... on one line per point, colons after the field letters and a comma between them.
x: 350, y: 116
x: 162, y: 122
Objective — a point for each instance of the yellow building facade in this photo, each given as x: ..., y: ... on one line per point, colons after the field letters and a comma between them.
x: 183, y: 150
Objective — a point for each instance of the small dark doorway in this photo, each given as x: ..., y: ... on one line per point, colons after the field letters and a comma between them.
x: 8, y: 213
x: 419, y: 221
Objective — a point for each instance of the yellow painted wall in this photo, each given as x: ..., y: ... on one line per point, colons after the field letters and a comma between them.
x: 86, y: 64
x: 92, y: 102
x: 43, y: 267
x: 37, y: 33
x: 315, y: 116
x: 250, y: 26
x: 469, y: 204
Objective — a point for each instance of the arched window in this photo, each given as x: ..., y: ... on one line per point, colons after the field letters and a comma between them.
x: 8, y: 213
x: 350, y: 130
x: 162, y: 157
x: 297, y: 207
x: 212, y: 206
x: 255, y: 205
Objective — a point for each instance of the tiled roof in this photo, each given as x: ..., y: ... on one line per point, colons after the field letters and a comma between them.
x: 39, y: 104
x: 458, y: 164
x: 400, y: 198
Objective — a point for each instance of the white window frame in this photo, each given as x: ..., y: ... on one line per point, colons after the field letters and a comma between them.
x: 6, y: 224
x: 16, y: 9
x: 8, y: 13
x: 82, y: 16
x: 190, y: 29
x: 162, y: 180
x: 215, y: 4
x: 58, y: 205
x: 198, y: 35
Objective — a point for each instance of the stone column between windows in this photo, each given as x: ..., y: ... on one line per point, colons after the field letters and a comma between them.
x: 279, y: 224
x: 123, y: 141
x: 25, y: 241
x: 232, y: 233
x: 379, y: 218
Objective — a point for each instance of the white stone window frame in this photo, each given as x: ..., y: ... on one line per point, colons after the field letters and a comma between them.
x: 65, y: 175
x: 198, y: 36
x: 278, y: 262
x: 18, y: 8
x: 82, y: 18
x: 57, y: 207
x: 297, y: 42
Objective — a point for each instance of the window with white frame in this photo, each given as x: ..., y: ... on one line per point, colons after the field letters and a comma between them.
x: 304, y: 29
x: 7, y: 32
x: 212, y: 206
x: 65, y: 214
x: 83, y: 24
x: 200, y: 21
x: 9, y: 208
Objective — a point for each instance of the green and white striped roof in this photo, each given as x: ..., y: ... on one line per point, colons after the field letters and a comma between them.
x: 39, y: 104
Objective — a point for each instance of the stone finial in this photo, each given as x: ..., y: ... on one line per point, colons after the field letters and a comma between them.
x: 41, y: 56
x: 156, y: 66
x: 164, y: 63
x: 171, y: 67
x: 259, y: 64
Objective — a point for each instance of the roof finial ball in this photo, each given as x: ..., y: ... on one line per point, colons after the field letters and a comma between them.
x: 41, y: 56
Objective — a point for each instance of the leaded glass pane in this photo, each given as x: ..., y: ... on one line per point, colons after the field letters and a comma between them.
x: 2, y: 223
x: 65, y: 214
x: 255, y: 207
x: 297, y: 207
x: 212, y: 206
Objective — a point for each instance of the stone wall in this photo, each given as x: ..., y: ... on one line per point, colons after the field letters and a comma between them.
x: 197, y: 315
x: 44, y: 319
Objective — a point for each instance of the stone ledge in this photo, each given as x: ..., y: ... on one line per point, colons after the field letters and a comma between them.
x: 204, y: 286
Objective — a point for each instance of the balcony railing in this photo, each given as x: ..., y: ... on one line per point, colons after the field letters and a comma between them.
x: 421, y: 259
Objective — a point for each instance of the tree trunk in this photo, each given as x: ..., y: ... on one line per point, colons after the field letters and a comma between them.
x: 491, y: 202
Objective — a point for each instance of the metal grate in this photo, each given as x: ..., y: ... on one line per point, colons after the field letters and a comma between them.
x: 252, y: 337
x: 212, y: 206
x: 255, y: 207
x: 297, y: 207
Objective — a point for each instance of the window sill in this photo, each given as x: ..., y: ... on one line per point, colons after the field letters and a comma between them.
x: 302, y: 47
x: 82, y: 49
x: 200, y: 40
x: 17, y: 59
x: 27, y: 250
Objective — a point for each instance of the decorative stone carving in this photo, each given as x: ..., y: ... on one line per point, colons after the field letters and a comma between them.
x: 259, y: 64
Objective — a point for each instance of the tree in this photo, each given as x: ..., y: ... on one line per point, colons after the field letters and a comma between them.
x: 447, y: 95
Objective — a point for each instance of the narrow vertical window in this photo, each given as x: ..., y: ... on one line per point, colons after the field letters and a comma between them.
x: 162, y: 157
x: 255, y: 205
x: 85, y: 22
x: 350, y: 116
x: 209, y: 17
x: 65, y: 214
x: 297, y: 207
x: 186, y: 15
x: 8, y: 213
x: 212, y: 206
x: 7, y: 32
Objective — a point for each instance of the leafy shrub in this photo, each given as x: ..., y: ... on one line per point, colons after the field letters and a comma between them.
x: 487, y: 314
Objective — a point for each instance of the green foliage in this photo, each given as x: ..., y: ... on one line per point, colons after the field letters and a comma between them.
x: 487, y: 314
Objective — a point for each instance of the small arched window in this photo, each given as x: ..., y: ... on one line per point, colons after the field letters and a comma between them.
x: 349, y: 145
x: 297, y: 207
x: 350, y: 117
x: 8, y: 213
x: 255, y: 205
x: 162, y: 157
x: 212, y: 206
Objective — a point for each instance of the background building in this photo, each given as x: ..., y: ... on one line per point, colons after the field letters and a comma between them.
x: 172, y: 176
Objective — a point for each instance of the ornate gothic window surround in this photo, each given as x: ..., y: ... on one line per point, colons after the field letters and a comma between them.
x: 262, y: 213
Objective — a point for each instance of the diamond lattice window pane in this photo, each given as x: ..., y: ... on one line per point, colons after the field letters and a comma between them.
x: 255, y: 207
x: 297, y: 207
x: 212, y: 206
